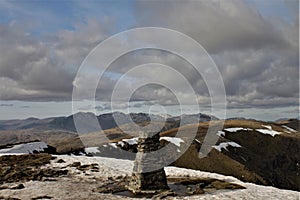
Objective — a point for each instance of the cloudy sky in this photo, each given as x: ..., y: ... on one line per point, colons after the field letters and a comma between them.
x: 254, y: 44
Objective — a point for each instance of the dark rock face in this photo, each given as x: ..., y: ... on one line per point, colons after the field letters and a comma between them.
x: 143, y: 179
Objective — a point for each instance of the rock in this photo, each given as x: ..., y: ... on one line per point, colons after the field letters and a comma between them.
x: 198, y: 190
x: 18, y: 187
x: 75, y: 164
x: 164, y: 194
x: 60, y: 161
x: 41, y: 197
x: 3, y: 187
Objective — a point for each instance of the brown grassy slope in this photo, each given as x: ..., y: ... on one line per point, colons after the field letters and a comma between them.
x: 122, y: 132
x: 261, y: 159
x: 292, y: 123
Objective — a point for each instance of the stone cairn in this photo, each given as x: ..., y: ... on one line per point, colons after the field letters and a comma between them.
x: 144, y: 180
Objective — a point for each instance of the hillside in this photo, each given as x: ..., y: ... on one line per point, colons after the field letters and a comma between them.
x: 292, y: 123
x: 253, y: 151
x: 250, y: 151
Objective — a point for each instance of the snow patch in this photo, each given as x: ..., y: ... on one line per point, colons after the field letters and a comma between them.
x: 221, y: 133
x: 173, y: 140
x: 288, y: 129
x: 131, y: 141
x: 121, y: 143
x: 113, y: 145
x: 26, y: 148
x: 233, y: 130
x: 267, y: 126
x: 92, y: 150
x: 197, y: 141
x: 268, y: 132
x: 224, y: 145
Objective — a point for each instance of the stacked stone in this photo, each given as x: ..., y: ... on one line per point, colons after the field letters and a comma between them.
x: 144, y: 180
x: 148, y: 144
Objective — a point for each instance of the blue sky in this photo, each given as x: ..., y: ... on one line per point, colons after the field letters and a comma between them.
x: 253, y: 42
x: 276, y: 8
x: 52, y: 16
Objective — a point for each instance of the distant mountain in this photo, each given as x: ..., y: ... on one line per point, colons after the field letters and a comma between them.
x: 106, y: 121
x: 24, y: 124
x: 60, y: 132
x: 192, y: 118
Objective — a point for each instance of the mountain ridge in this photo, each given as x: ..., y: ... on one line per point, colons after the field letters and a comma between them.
x: 105, y: 120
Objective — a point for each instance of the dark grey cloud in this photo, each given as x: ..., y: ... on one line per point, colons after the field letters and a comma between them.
x: 42, y: 69
x: 257, y: 57
x: 217, y: 25
x: 152, y: 92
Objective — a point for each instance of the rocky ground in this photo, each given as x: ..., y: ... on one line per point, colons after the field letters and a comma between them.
x: 44, y: 176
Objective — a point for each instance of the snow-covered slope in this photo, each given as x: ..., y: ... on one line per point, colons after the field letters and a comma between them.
x: 109, y: 167
x: 25, y: 148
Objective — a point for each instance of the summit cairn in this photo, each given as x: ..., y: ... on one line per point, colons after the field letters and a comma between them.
x: 144, y: 180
